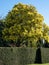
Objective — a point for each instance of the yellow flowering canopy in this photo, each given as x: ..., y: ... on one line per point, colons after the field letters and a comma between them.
x: 23, y: 23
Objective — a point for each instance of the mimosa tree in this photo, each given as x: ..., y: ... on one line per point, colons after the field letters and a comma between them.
x: 23, y: 26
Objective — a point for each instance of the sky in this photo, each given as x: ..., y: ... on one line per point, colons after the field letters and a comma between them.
x: 42, y: 7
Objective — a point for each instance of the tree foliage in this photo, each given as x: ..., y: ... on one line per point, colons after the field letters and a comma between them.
x: 46, y: 32
x: 24, y: 26
x: 1, y: 28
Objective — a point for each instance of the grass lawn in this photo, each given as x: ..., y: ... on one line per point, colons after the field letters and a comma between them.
x: 39, y: 64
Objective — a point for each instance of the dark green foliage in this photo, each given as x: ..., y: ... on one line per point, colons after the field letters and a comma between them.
x: 21, y: 56
x: 17, y: 56
x: 45, y: 55
x: 1, y: 28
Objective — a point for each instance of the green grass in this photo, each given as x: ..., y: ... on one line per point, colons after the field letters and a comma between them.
x: 39, y: 64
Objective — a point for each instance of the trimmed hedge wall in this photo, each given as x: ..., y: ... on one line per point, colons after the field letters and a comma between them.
x: 45, y: 55
x: 21, y: 56
x: 17, y: 56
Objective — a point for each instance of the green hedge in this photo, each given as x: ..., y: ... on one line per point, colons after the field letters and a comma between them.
x: 45, y: 55
x: 17, y: 56
x: 21, y: 56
